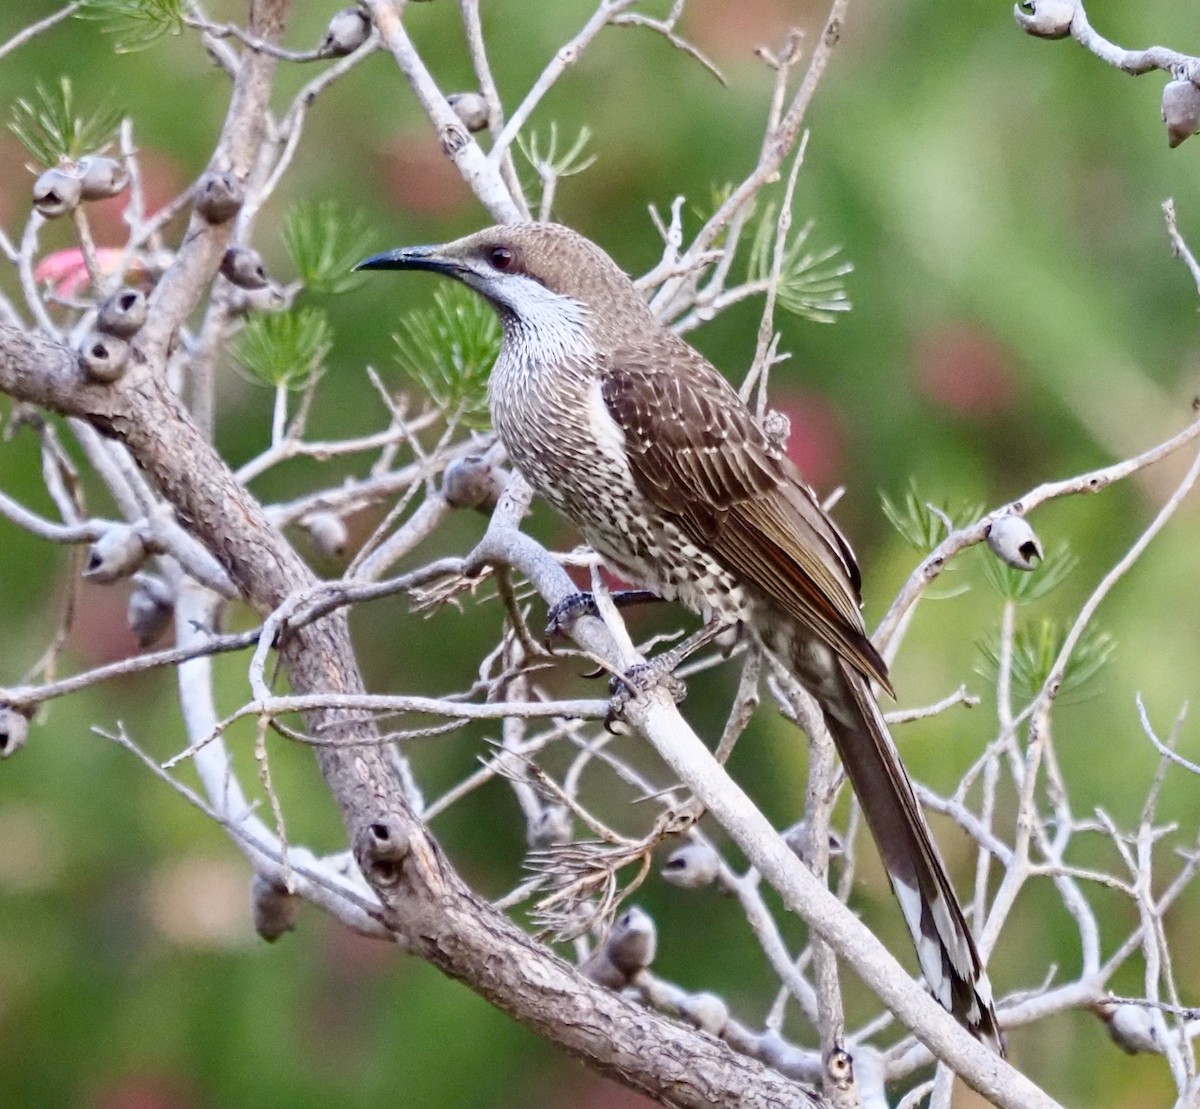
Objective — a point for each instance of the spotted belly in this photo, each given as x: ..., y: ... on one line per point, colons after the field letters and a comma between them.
x: 655, y: 554
x: 571, y: 452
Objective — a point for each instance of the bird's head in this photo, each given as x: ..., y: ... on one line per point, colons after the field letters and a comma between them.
x: 538, y: 276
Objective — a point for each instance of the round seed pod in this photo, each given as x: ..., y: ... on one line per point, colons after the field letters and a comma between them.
x: 380, y: 849
x: 347, y: 31
x: 123, y: 314
x: 116, y: 554
x: 692, y: 866
x: 151, y: 605
x: 633, y: 941
x: 627, y: 949
x: 14, y: 731
x: 472, y: 482
x: 244, y: 267
x: 219, y: 196
x: 1180, y: 111
x: 778, y: 428
x: 100, y: 177
x: 102, y: 357
x: 796, y: 837
x: 1012, y: 540
x: 275, y: 910
x: 471, y: 108
x: 328, y: 533
x: 56, y: 192
x: 1045, y: 19
x: 552, y: 826
x: 1131, y: 1027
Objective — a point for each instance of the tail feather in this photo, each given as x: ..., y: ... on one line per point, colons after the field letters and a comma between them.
x: 945, y: 947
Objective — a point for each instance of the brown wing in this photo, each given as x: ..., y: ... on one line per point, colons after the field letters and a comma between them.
x: 699, y: 455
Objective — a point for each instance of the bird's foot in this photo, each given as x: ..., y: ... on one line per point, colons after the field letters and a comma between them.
x: 641, y: 680
x: 564, y: 613
x: 659, y: 671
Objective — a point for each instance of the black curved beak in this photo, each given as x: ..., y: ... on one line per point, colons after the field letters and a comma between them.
x: 410, y: 258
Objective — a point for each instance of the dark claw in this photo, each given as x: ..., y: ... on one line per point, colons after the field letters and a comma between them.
x: 560, y: 618
x: 574, y: 605
x: 641, y: 679
x: 637, y: 679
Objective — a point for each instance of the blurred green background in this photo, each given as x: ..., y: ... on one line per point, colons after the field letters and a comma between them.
x: 1018, y: 317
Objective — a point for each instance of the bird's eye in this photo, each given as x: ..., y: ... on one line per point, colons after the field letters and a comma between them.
x: 501, y: 258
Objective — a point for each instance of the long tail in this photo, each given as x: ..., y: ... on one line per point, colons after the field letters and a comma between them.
x: 945, y: 948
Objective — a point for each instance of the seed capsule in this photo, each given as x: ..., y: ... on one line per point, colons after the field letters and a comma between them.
x: 275, y: 910
x: 1045, y: 19
x: 328, y: 533
x: 471, y: 108
x: 219, y: 196
x: 102, y: 357
x: 100, y: 177
x: 14, y: 730
x: 633, y: 941
x: 381, y: 848
x: 115, y: 555
x: 244, y: 267
x: 1012, y: 540
x: 1131, y: 1027
x: 551, y: 827
x: 778, y: 428
x: 1180, y: 111
x: 56, y: 192
x: 347, y: 31
x: 472, y: 482
x: 693, y: 866
x: 122, y: 314
x: 629, y: 947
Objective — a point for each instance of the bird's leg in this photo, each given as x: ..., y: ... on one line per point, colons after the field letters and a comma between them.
x: 660, y: 670
x: 574, y: 605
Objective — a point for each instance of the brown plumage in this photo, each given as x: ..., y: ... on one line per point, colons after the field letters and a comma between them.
x: 651, y: 453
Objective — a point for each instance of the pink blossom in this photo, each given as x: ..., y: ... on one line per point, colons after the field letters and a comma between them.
x: 65, y: 272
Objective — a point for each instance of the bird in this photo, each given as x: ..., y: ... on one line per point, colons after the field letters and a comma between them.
x: 644, y: 445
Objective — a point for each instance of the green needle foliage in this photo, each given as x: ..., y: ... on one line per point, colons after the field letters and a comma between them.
x: 449, y: 350
x: 549, y: 161
x: 1035, y: 647
x: 284, y: 349
x: 51, y: 129
x: 324, y: 244
x: 810, y: 284
x: 135, y: 24
x: 1024, y: 586
x: 922, y: 524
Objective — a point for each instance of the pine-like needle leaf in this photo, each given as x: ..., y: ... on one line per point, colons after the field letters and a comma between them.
x: 325, y: 243
x: 135, y: 24
x: 811, y: 283
x: 284, y: 348
x: 449, y: 350
x: 53, y: 130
